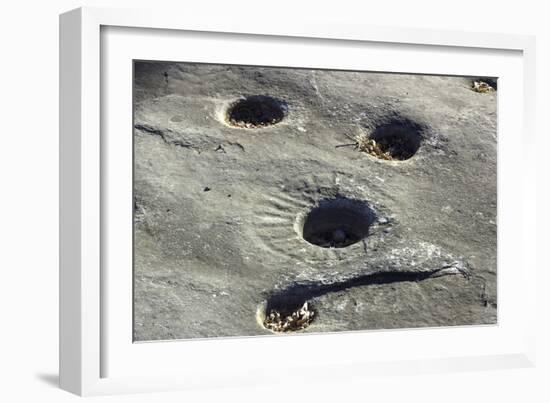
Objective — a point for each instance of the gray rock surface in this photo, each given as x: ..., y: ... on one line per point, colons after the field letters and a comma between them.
x: 221, y: 211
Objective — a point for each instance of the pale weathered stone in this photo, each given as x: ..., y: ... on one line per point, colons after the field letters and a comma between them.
x: 221, y: 206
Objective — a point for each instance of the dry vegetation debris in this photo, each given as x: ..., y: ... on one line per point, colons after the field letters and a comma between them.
x: 482, y: 86
x: 297, y: 320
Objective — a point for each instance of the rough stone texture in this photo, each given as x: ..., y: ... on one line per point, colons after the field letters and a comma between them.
x: 218, y: 208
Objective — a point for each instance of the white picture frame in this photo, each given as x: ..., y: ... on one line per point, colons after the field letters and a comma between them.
x: 97, y: 355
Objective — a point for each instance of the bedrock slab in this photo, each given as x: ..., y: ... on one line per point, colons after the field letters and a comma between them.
x: 222, y: 210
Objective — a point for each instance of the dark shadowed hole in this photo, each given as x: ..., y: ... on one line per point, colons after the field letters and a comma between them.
x: 337, y: 223
x: 256, y: 111
x: 397, y: 140
x: 491, y: 81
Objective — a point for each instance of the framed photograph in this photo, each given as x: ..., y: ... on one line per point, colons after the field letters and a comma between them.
x: 246, y: 202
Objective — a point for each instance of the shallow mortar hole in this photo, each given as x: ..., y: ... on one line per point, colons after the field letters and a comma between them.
x: 393, y: 141
x: 256, y: 111
x: 484, y: 84
x: 337, y: 223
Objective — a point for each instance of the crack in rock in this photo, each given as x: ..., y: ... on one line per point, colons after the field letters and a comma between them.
x: 165, y: 135
x: 236, y: 144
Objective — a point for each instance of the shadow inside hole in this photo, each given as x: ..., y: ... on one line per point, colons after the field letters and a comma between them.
x: 401, y: 138
x: 256, y: 111
x: 337, y: 222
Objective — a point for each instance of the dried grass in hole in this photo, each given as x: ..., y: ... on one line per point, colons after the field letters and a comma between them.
x: 297, y: 320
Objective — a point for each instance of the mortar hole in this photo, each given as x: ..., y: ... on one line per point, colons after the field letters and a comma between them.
x: 397, y: 140
x: 484, y: 84
x: 256, y: 111
x: 337, y: 223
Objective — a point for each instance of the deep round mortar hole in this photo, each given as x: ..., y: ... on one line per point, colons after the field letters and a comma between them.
x: 256, y: 111
x: 393, y: 141
x: 337, y: 223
